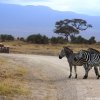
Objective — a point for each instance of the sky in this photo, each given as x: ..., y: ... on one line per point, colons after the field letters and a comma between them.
x: 88, y: 7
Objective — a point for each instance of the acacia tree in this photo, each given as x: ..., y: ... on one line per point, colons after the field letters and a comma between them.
x: 70, y: 28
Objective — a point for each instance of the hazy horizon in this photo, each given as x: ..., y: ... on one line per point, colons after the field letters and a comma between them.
x: 22, y: 20
x: 87, y: 7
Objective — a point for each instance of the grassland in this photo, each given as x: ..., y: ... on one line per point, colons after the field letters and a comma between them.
x: 12, y: 79
x: 21, y: 81
x: 48, y: 49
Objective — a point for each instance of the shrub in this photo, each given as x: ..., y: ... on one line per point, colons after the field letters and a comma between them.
x: 80, y: 40
x: 38, y: 39
x: 56, y: 40
x: 92, y: 40
x: 6, y: 37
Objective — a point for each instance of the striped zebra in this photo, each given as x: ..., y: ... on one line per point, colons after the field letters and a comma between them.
x: 92, y: 59
x: 93, y: 50
x: 72, y: 60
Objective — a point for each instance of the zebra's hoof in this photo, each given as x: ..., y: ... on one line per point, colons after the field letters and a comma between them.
x: 98, y: 77
x: 85, y: 77
x: 75, y: 76
x: 69, y: 76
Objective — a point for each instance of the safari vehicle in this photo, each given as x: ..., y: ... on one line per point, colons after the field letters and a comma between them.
x: 3, y: 48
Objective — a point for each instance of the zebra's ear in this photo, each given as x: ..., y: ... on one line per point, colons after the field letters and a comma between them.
x: 64, y: 47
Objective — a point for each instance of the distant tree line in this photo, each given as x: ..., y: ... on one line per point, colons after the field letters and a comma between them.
x: 67, y: 28
x: 38, y: 39
x: 80, y: 40
x: 43, y: 39
x: 6, y: 37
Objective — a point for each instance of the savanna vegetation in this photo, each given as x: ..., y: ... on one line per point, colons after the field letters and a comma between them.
x: 68, y: 31
x: 12, y: 75
x: 43, y: 39
x: 12, y: 79
x: 6, y: 37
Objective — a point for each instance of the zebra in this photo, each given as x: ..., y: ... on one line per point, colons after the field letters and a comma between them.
x: 72, y: 60
x: 93, y: 50
x: 91, y: 58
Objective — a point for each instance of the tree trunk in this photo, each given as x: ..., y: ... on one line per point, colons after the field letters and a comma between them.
x: 66, y: 38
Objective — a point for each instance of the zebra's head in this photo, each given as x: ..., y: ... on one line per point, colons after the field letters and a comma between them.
x: 81, y: 54
x: 65, y: 52
x: 62, y: 54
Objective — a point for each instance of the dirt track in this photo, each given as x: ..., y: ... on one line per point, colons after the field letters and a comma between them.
x: 49, y: 79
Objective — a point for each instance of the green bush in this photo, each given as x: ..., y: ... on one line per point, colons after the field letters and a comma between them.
x: 38, y: 39
x: 92, y: 40
x: 57, y: 40
x: 6, y: 37
x: 80, y: 40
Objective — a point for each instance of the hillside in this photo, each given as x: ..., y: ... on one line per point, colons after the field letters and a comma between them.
x: 25, y: 20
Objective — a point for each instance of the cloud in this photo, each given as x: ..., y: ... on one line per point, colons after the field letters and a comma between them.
x: 90, y: 7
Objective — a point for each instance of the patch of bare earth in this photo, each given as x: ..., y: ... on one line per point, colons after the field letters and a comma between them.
x: 46, y: 78
x: 24, y: 80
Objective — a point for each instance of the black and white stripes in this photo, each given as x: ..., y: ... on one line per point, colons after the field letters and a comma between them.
x: 86, y: 58
x: 91, y: 58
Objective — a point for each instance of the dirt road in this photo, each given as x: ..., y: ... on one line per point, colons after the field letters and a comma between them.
x: 49, y: 79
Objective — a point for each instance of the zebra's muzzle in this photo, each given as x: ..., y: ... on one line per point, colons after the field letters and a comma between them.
x: 60, y: 57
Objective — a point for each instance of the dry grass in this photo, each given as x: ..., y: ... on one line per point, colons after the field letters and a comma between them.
x: 11, y: 87
x: 12, y: 78
x: 48, y: 49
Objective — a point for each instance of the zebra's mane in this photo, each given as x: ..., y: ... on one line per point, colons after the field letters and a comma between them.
x: 83, y: 51
x: 93, y: 50
x: 68, y: 50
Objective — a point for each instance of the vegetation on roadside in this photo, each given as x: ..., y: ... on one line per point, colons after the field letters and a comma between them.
x: 12, y: 78
x: 10, y: 87
x: 45, y: 49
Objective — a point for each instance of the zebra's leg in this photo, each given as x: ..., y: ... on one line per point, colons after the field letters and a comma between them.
x: 96, y: 72
x: 87, y: 68
x: 75, y: 69
x: 86, y: 74
x: 70, y: 71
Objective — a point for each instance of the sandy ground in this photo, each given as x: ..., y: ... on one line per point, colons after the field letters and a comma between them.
x: 48, y: 79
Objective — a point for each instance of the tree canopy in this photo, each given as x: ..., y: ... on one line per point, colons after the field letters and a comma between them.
x: 38, y: 39
x: 6, y: 37
x: 70, y: 28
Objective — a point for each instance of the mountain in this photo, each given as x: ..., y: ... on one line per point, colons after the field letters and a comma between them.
x: 24, y: 20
